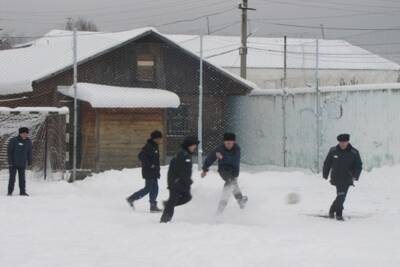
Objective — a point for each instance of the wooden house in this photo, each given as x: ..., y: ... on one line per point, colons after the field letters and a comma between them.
x: 141, y: 58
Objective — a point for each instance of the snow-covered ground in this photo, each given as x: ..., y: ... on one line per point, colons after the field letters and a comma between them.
x: 88, y: 223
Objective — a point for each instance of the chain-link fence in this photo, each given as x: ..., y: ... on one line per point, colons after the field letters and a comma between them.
x: 131, y: 83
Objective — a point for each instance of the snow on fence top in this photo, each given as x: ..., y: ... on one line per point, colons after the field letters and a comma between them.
x: 35, y: 110
x: 269, y: 53
x: 326, y: 89
x: 104, y: 96
x: 53, y: 52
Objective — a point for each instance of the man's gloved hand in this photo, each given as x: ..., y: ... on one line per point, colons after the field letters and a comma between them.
x: 203, y: 174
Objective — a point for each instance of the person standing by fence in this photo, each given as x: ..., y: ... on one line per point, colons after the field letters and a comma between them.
x: 19, y: 156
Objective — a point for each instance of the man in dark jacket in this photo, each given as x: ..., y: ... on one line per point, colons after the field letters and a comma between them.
x: 150, y: 158
x: 228, y: 156
x: 19, y: 155
x: 344, y: 163
x: 180, y: 178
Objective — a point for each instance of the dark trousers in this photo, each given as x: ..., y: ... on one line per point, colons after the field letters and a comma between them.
x: 337, y: 205
x: 21, y: 179
x: 176, y: 198
x: 151, y: 187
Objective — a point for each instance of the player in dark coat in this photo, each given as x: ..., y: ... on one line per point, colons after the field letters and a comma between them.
x: 344, y: 163
x: 228, y: 156
x: 150, y: 158
x: 19, y: 156
x: 180, y: 178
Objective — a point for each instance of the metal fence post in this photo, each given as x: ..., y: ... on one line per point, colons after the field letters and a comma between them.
x: 200, y: 121
x: 317, y: 106
x: 75, y: 80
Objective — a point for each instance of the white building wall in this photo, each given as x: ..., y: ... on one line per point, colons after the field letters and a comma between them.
x: 271, y: 78
x: 370, y: 116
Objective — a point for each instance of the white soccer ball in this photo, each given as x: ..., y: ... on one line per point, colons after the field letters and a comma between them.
x: 292, y: 198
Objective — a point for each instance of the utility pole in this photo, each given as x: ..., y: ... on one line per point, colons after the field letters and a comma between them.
x: 322, y: 31
x: 243, y: 49
x: 208, y: 25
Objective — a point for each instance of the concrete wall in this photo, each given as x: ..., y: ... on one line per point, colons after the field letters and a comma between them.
x: 372, y: 117
x: 271, y: 78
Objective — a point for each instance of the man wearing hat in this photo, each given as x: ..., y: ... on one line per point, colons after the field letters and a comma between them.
x: 228, y: 156
x: 150, y: 158
x: 180, y: 178
x: 19, y: 156
x: 344, y: 163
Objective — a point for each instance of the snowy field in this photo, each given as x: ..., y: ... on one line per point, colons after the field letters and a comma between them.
x: 88, y: 223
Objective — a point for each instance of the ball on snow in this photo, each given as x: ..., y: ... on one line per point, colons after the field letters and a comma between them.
x: 292, y: 198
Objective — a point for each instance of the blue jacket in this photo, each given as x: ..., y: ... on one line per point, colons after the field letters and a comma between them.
x: 19, y: 152
x: 230, y: 162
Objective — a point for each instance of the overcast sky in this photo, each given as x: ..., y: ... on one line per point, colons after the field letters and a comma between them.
x: 372, y: 18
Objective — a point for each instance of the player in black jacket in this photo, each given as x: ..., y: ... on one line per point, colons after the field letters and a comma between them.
x: 19, y: 155
x: 180, y: 178
x: 150, y: 158
x: 344, y: 163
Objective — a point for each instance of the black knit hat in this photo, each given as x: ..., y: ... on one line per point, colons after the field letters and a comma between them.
x: 189, y: 141
x: 343, y: 137
x: 229, y: 137
x: 23, y: 130
x: 156, y: 134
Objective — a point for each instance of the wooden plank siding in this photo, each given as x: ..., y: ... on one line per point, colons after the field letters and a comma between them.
x: 121, y: 135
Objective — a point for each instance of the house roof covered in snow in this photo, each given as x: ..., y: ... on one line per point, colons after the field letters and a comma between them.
x: 269, y: 53
x: 53, y: 53
x: 104, y: 96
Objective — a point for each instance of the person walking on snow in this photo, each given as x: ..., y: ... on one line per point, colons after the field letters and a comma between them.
x: 19, y: 155
x: 150, y: 158
x: 180, y: 178
x: 228, y: 156
x: 344, y: 163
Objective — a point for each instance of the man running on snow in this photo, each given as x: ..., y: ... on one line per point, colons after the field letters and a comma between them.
x: 228, y: 156
x: 150, y: 158
x: 180, y: 178
x: 344, y: 163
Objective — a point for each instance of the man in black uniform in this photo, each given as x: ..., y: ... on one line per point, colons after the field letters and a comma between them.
x: 180, y: 178
x: 344, y: 163
x: 19, y: 155
x: 228, y: 156
x: 150, y: 158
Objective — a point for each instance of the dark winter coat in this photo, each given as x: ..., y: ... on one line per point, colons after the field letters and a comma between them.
x: 230, y: 164
x: 19, y: 152
x: 344, y: 165
x: 180, y: 172
x: 150, y: 158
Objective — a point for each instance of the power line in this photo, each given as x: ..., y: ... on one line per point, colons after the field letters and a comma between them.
x: 310, y: 5
x: 395, y: 28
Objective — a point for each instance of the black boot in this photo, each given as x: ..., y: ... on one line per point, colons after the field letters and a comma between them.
x: 339, y: 215
x: 130, y: 203
x: 331, y: 213
x: 24, y: 194
x: 154, y: 208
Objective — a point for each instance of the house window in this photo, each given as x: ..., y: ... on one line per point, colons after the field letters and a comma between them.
x: 177, y: 120
x: 145, y: 68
